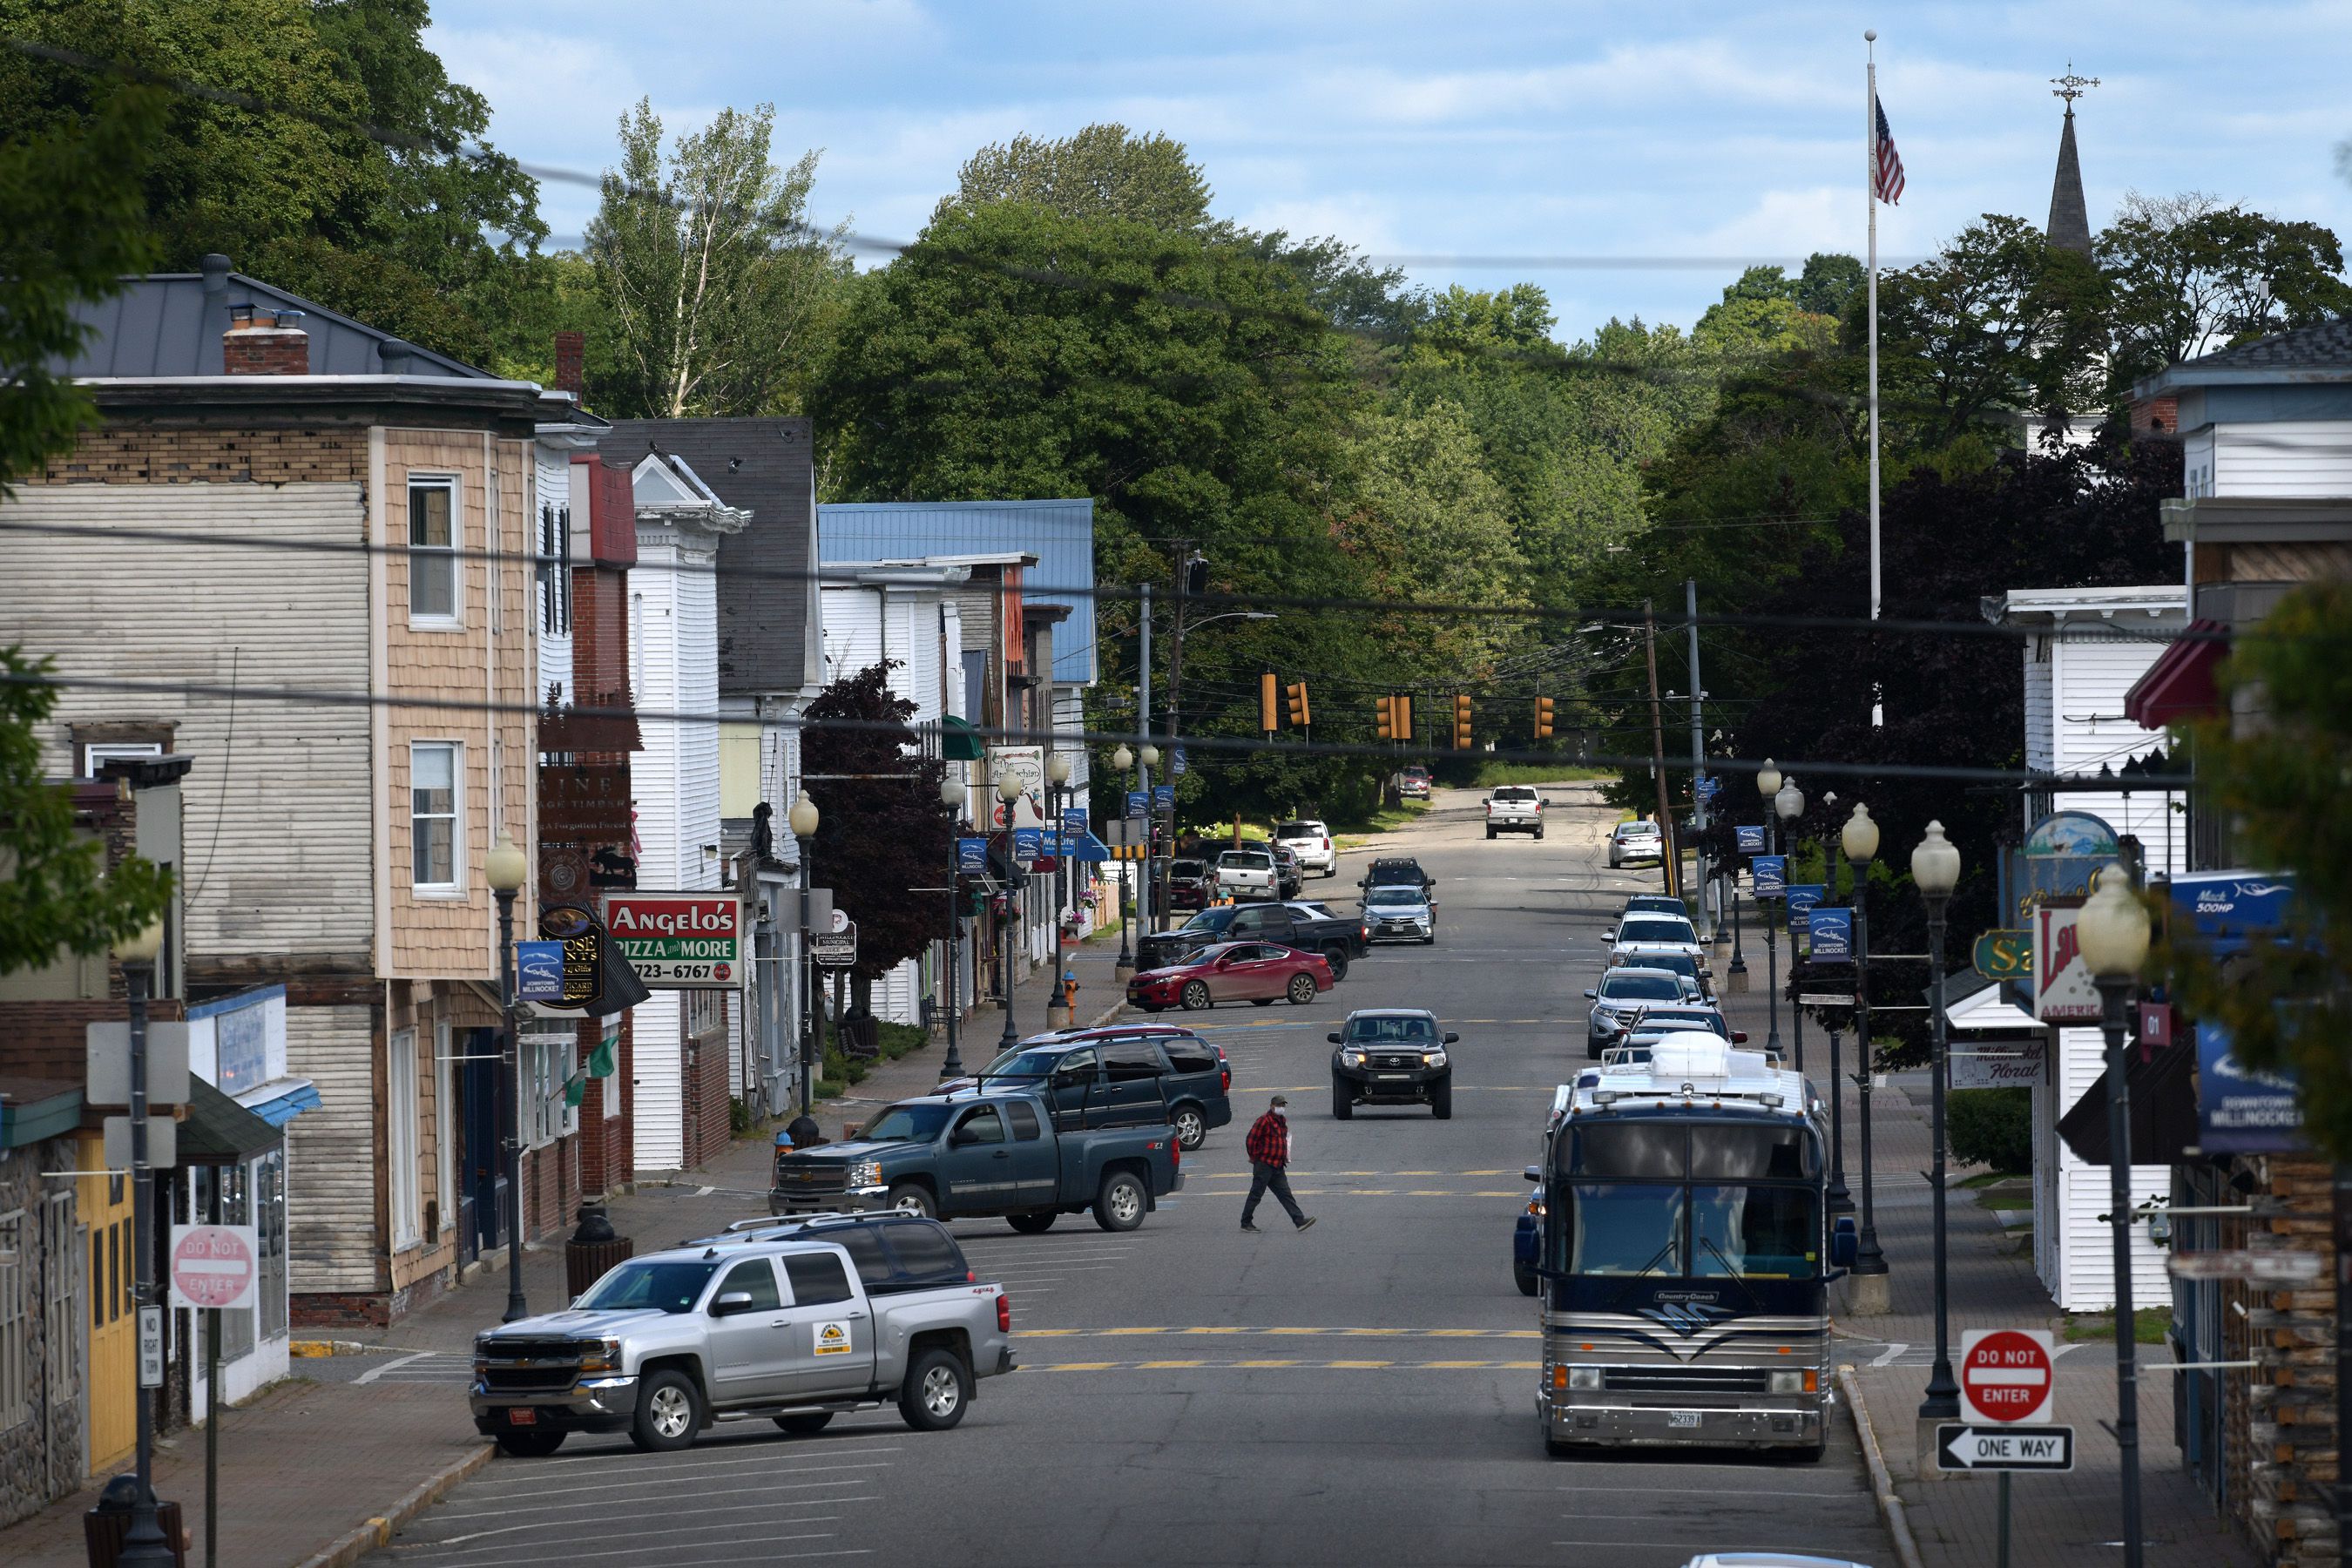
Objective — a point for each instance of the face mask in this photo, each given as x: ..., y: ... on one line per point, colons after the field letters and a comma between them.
x: 1279, y: 1111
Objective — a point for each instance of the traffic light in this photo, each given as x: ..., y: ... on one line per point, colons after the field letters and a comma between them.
x: 1270, y: 710
x: 1384, y: 709
x: 1543, y: 718
x: 1298, y: 713
x: 1402, y: 707
x: 1461, y: 720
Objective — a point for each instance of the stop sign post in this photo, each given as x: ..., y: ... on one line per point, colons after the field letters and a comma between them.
x: 2006, y: 1376
x: 214, y: 1266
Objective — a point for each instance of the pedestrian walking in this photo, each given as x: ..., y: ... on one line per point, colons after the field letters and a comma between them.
x: 1269, y: 1152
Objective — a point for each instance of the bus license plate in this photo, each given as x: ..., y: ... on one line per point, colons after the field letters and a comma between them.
x: 1681, y: 1418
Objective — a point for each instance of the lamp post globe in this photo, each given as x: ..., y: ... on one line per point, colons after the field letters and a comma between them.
x: 1788, y: 801
x: 505, y: 867
x: 1935, y: 863
x: 1150, y: 756
x: 2113, y: 929
x: 1008, y: 787
x: 1122, y: 759
x: 1860, y: 837
x: 1057, y: 769
x: 141, y: 946
x: 803, y: 817
x: 951, y: 792
x: 1767, y: 779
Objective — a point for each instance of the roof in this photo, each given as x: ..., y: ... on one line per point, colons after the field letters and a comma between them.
x: 1059, y: 533
x: 2020, y: 603
x: 2070, y: 217
x: 2320, y: 352
x: 33, y: 1109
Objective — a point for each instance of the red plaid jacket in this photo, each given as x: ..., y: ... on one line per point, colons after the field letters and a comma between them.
x: 1269, y: 1141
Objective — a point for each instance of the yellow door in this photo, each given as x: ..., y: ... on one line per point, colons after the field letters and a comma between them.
x: 105, y: 1206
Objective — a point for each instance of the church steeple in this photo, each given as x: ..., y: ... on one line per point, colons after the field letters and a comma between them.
x: 2070, y: 216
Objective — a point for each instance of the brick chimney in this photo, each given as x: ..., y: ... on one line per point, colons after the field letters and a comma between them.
x: 571, y: 352
x: 261, y: 340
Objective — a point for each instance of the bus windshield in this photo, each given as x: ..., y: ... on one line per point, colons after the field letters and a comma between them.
x: 1754, y: 1232
x: 1619, y: 1228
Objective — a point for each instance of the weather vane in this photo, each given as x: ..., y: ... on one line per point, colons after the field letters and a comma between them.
x: 2069, y: 86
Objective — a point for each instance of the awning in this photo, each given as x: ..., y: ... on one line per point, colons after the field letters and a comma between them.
x: 2180, y: 684
x: 217, y: 1130
x: 2163, y: 1111
x: 1985, y: 1006
x: 33, y: 1109
x: 281, y: 1102
x: 958, y: 743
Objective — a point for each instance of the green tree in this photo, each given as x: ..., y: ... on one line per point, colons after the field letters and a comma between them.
x: 715, y: 283
x: 1104, y: 171
x: 2191, y: 275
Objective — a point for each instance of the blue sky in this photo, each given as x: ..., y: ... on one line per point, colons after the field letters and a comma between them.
x: 1491, y: 131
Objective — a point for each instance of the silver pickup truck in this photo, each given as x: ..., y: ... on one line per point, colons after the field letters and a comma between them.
x: 666, y: 1344
x: 1515, y: 808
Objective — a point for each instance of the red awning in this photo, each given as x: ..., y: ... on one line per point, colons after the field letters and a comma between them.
x: 2180, y: 684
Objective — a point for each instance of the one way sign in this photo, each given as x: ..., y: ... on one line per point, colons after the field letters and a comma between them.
x: 2005, y: 1448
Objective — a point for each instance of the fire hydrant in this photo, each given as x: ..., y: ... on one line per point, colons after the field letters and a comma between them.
x: 1069, y: 998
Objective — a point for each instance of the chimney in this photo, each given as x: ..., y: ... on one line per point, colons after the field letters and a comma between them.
x: 262, y: 341
x: 571, y: 350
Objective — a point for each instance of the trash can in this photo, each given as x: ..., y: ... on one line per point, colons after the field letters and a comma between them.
x: 590, y: 1250
x: 104, y: 1526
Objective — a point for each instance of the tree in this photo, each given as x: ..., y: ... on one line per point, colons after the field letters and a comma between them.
x: 714, y: 279
x: 1104, y: 171
x: 2191, y: 275
x: 880, y: 831
x: 2281, y: 780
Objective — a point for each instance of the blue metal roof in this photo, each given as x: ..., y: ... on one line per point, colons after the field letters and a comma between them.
x: 1060, y: 533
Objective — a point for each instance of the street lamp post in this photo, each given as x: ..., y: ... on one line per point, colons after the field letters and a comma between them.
x: 1767, y: 784
x: 1788, y: 802
x: 1057, y: 805
x: 1120, y: 761
x: 952, y: 798
x: 1839, y: 1200
x: 1155, y: 890
x: 802, y: 820
x: 144, y: 1543
x: 2113, y: 929
x: 1860, y: 840
x: 1936, y: 868
x: 1008, y: 790
x: 504, y: 870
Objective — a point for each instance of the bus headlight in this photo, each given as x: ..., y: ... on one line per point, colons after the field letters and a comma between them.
x: 1805, y: 1381
x: 1587, y: 1377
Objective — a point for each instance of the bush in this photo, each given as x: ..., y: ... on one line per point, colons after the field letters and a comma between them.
x: 1991, y: 1127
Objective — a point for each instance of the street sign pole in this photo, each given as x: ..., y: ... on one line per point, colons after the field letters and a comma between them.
x: 144, y: 1542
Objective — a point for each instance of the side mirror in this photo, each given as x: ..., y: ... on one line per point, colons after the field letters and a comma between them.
x: 961, y: 1137
x: 1739, y: 1037
x: 1452, y: 1038
x: 731, y: 1302
x: 1333, y: 1037
x: 1609, y: 935
x: 1533, y: 1172
x: 1592, y: 996
x: 1845, y: 1243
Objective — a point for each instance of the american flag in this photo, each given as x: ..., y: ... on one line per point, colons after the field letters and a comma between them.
x: 1887, y: 176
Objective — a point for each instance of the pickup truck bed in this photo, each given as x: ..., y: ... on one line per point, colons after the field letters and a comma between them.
x: 1515, y: 808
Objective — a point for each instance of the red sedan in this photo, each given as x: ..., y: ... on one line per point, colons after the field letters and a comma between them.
x: 1256, y: 972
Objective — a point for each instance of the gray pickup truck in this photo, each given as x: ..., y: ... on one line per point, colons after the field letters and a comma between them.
x: 1515, y: 808
x: 666, y: 1344
x: 994, y: 1152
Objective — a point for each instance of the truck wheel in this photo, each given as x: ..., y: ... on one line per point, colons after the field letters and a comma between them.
x: 1037, y: 1222
x: 1811, y: 1454
x: 1557, y: 1450
x: 914, y: 1198
x: 1524, y: 1279
x: 1441, y: 1100
x: 669, y: 1411
x: 530, y: 1445
x: 1302, y: 990
x: 1429, y: 941
x: 1121, y: 1202
x: 1538, y: 835
x: 807, y: 1424
x: 1191, y: 1127
x: 1343, y: 1100
x: 936, y: 1391
x: 1196, y: 996
x: 1336, y: 957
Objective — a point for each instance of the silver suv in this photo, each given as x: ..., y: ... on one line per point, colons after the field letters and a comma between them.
x: 1636, y: 842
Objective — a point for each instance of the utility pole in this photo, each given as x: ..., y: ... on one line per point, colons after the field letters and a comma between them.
x: 1184, y: 563
x: 1146, y: 917
x: 1698, y: 761
x: 1670, y: 862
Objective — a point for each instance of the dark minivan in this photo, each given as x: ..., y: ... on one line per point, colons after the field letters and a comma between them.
x: 1138, y: 1076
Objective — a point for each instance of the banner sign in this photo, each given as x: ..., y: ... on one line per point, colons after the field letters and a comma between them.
x: 1751, y: 839
x: 1139, y: 804
x: 2227, y: 908
x: 1769, y: 875
x: 1028, y: 843
x: 972, y: 856
x: 1163, y: 797
x: 2063, y: 991
x: 1707, y: 788
x: 680, y: 942
x: 1178, y: 766
x: 1077, y: 819
x: 539, y: 971
x: 2241, y: 1111
x: 1832, y: 932
x: 1802, y: 897
x: 1995, y: 1063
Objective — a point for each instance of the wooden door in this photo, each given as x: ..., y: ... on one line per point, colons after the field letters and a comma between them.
x: 107, y: 1271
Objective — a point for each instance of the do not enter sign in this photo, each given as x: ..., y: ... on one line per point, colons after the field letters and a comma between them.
x: 2005, y: 1374
x: 213, y: 1265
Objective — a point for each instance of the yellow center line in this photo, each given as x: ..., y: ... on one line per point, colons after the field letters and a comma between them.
x: 1320, y: 1328
x: 1278, y: 1362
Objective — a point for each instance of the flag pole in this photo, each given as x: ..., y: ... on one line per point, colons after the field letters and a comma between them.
x: 1870, y: 200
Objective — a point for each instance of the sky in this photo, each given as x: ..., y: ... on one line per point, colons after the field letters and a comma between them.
x: 1486, y: 142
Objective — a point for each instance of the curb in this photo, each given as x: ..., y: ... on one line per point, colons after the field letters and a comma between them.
x: 310, y: 1350
x: 1882, y: 1485
x: 354, y: 1545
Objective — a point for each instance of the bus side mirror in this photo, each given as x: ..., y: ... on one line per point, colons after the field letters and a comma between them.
x: 1533, y: 1172
x: 1845, y: 1243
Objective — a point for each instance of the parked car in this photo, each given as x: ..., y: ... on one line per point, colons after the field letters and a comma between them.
x: 1698, y: 980
x: 1656, y: 904
x: 1413, y: 783
x: 1526, y: 1235
x: 1636, y: 843
x: 1391, y: 1056
x: 1191, y: 884
x: 1311, y: 841
x: 1398, y: 912
x: 1246, y: 874
x: 1256, y: 972
x: 663, y: 1345
x: 996, y: 1152
x: 1129, y: 1074
x: 1310, y: 927
x: 1660, y: 1022
x: 1289, y: 876
x: 1515, y: 808
x: 1653, y: 927
x: 1397, y: 870
x: 1624, y: 995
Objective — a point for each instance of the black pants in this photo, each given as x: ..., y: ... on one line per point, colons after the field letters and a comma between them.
x: 1265, y: 1179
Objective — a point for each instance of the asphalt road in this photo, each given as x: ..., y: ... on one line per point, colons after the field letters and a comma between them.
x: 1360, y: 1393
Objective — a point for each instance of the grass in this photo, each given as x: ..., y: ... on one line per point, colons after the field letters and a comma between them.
x: 2149, y: 1325
x: 1491, y: 774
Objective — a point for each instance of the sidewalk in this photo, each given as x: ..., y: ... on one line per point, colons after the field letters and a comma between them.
x: 320, y: 1469
x: 2069, y: 1520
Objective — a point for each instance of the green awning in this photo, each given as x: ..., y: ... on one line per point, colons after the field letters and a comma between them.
x: 33, y: 1109
x: 958, y: 744
x: 220, y: 1132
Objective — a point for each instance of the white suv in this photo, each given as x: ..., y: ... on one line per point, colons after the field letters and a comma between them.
x: 1311, y: 842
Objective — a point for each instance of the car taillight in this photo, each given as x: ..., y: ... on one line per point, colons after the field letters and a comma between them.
x: 1227, y: 1075
x: 1175, y: 1153
x: 1003, y: 1313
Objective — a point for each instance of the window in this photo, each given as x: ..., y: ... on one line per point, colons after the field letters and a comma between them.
x: 706, y: 1014
x: 818, y: 1279
x: 400, y: 1135
x: 15, y: 1327
x: 1189, y: 1055
x: 554, y: 568
x: 981, y: 1126
x: 1624, y: 1230
x: 433, y: 816
x: 546, y: 1068
x: 1077, y: 1068
x: 866, y: 1251
x: 97, y: 751
x: 671, y: 1288
x: 1130, y: 1061
x: 755, y: 1278
x: 1024, y: 1121
x: 927, y: 1252
x: 1754, y: 1232
x: 431, y: 552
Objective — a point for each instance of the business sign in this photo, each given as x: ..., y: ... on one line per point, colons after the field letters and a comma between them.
x: 2063, y: 991
x: 2006, y: 1375
x: 836, y: 949
x: 972, y: 856
x: 2288, y: 1269
x: 1996, y: 1063
x: 2062, y: 853
x: 680, y: 942
x: 583, y: 937
x: 1163, y: 797
x: 2004, y: 956
x: 1750, y: 839
x: 213, y: 1266
x: 2228, y: 908
x: 1832, y: 933
x: 1027, y: 765
x: 1769, y: 875
x: 2243, y: 1110
x: 539, y: 971
x: 1802, y: 897
x: 2005, y: 1447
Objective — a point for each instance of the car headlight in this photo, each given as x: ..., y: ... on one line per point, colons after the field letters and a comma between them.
x: 1353, y: 1059
x: 1804, y: 1381
x: 1433, y: 1060
x: 865, y: 1173
x: 1584, y: 1377
x: 600, y: 1355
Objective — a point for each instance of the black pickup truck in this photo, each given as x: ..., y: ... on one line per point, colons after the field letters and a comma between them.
x: 960, y: 1156
x: 1337, y: 937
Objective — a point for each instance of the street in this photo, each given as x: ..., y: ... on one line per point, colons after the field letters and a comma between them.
x: 1362, y: 1392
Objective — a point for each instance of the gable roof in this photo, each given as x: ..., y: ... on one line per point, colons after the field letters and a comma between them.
x: 2320, y: 352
